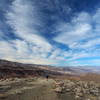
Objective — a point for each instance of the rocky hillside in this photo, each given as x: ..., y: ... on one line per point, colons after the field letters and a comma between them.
x: 82, y: 90
x: 14, y: 69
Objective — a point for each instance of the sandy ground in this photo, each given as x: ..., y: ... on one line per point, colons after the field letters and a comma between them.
x: 30, y: 89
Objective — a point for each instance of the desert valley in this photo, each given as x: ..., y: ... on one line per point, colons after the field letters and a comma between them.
x: 29, y: 82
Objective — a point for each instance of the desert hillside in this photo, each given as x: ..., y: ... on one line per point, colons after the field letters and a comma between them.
x: 14, y: 69
x: 20, y: 81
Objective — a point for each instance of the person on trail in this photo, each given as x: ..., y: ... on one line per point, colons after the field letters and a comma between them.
x: 47, y: 76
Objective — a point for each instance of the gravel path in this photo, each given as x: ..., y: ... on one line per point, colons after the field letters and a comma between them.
x: 30, y: 89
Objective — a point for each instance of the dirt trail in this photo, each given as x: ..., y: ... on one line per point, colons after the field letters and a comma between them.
x: 30, y: 89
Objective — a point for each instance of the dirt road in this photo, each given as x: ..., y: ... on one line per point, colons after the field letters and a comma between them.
x: 30, y: 89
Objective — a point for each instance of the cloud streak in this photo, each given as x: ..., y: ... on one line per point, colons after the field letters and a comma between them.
x: 80, y: 29
x: 31, y: 30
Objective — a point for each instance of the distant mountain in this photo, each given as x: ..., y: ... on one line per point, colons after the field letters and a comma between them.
x: 14, y: 69
x: 80, y: 70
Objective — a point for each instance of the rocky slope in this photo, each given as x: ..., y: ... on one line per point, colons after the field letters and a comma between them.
x: 14, y: 69
x: 82, y: 90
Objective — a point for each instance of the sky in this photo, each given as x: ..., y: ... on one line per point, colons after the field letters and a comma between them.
x: 51, y: 32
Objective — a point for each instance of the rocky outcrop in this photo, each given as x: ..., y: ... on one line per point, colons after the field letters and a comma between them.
x: 82, y: 90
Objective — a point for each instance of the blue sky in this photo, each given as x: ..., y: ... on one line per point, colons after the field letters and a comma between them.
x: 54, y: 32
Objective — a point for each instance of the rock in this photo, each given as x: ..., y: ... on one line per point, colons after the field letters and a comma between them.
x: 68, y: 90
x: 4, y: 88
x: 81, y: 89
x: 88, y: 99
x: 77, y: 97
x: 77, y: 89
x: 85, y: 85
x: 94, y: 92
x: 58, y: 90
x: 3, y: 96
x: 98, y: 98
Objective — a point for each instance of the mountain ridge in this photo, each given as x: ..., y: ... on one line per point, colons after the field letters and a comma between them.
x: 15, y: 69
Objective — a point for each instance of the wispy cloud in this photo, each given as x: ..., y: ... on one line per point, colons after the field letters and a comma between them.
x: 37, y: 25
x: 23, y: 19
x: 83, y: 27
x: 81, y: 35
x: 33, y: 47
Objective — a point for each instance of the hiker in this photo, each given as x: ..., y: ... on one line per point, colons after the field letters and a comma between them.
x: 47, y: 76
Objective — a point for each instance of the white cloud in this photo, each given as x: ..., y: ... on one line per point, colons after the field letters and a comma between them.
x: 90, y: 44
x: 96, y: 17
x: 76, y: 33
x: 18, y: 50
x: 82, y: 17
x: 23, y: 19
x: 91, y: 62
x: 83, y: 27
x: 6, y: 50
